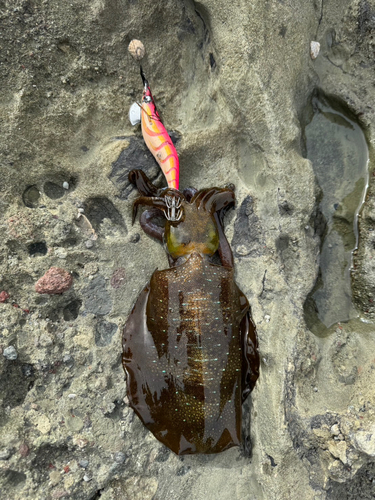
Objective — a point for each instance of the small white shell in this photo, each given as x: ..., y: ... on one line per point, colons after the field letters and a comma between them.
x: 136, y: 49
x: 86, y: 228
x: 314, y: 49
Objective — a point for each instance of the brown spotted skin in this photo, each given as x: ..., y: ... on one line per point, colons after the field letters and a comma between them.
x: 190, y: 354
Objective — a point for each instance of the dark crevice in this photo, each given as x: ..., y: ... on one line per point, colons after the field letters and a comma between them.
x: 212, y: 61
x: 31, y: 197
x: 98, y: 209
x: 97, y: 494
x: 53, y: 191
x: 38, y: 248
x: 71, y: 310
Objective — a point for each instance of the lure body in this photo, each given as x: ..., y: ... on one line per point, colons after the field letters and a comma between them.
x: 157, y: 139
x: 189, y: 345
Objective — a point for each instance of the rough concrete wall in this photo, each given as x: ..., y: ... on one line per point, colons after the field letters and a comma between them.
x: 232, y: 80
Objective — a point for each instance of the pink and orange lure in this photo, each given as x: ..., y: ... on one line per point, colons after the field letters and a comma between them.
x: 157, y: 139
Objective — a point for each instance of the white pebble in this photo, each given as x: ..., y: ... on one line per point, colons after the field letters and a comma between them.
x: 61, y: 253
x: 267, y: 317
x: 242, y: 250
x: 335, y: 430
x: 314, y: 49
x: 66, y: 185
x: 10, y: 353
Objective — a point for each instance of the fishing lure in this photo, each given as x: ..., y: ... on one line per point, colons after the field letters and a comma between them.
x: 155, y: 135
x: 189, y: 345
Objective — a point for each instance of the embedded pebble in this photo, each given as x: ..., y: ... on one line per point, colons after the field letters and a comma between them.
x: 61, y: 253
x: 136, y: 49
x: 4, y: 296
x: 242, y: 250
x: 335, y: 431
x: 97, y: 299
x: 87, y: 478
x: 104, y: 332
x: 56, y: 280
x: 5, y: 454
x: 83, y: 463
x: 120, y: 457
x: 24, y: 450
x: 135, y: 238
x: 90, y: 269
x: 43, y: 424
x: 60, y: 494
x: 66, y: 185
x: 364, y: 441
x: 314, y: 49
x: 54, y: 477
x: 118, y: 278
x: 10, y: 353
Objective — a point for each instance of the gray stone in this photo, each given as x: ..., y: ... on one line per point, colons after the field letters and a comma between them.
x: 104, y: 332
x: 120, y: 457
x: 97, y: 299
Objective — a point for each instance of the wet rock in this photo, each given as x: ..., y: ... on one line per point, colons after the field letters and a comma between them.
x: 55, y: 280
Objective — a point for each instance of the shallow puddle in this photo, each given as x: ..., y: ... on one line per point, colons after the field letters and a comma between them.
x: 337, y: 148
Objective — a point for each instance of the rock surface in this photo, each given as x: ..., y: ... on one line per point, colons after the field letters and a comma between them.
x: 234, y: 81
